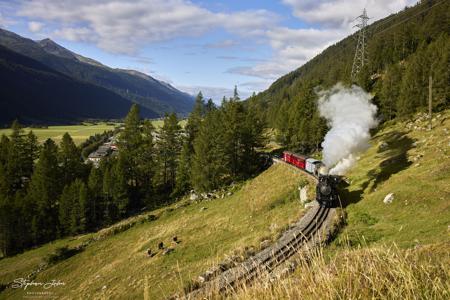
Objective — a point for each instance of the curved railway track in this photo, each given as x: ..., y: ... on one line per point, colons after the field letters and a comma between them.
x: 307, y: 232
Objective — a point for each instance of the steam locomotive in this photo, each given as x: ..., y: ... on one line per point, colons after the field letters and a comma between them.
x: 326, y: 189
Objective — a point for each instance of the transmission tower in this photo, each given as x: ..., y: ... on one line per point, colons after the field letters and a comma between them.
x: 360, y: 58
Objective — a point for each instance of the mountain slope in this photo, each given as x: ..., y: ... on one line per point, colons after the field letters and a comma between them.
x: 403, y: 50
x: 134, y: 86
x: 35, y: 93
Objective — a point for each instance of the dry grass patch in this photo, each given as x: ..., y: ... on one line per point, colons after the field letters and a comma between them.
x: 382, y: 272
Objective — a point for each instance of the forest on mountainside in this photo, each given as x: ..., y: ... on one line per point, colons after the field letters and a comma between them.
x: 47, y: 191
x: 403, y: 50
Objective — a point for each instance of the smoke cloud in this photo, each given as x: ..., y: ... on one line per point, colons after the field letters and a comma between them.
x: 350, y: 115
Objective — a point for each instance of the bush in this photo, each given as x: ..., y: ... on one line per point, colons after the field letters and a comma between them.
x: 61, y: 254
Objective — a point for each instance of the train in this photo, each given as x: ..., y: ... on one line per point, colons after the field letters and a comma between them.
x: 327, y: 185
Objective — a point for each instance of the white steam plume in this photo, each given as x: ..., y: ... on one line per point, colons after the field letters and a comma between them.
x: 351, y: 115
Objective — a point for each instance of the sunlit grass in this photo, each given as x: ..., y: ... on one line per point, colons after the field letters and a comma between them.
x: 209, y: 231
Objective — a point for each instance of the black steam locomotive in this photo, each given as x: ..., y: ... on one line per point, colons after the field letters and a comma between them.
x: 326, y: 190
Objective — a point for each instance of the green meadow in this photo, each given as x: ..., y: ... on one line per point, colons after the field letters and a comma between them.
x: 79, y: 133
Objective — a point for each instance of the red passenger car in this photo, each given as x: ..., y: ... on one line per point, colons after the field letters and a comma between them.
x: 294, y: 159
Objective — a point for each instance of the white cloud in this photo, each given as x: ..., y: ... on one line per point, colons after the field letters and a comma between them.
x: 35, y: 26
x: 5, y: 21
x: 82, y: 34
x: 341, y: 13
x: 292, y: 48
x: 124, y: 26
x: 222, y: 44
x: 330, y: 22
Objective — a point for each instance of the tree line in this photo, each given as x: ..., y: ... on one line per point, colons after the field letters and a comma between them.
x: 47, y: 191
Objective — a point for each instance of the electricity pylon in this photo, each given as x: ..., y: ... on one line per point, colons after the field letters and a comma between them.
x: 360, y: 58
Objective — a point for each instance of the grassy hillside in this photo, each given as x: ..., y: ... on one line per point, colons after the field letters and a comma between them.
x: 399, y: 250
x: 414, y: 164
x: 209, y: 231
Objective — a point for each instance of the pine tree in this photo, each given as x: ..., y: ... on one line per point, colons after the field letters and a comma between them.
x: 95, y: 192
x: 146, y: 162
x: 208, y: 168
x: 438, y: 54
x: 390, y: 91
x: 233, y: 117
x: 169, y: 149
x: 66, y: 208
x: 131, y: 138
x: 109, y: 211
x: 130, y: 145
x: 69, y: 157
x: 31, y: 153
x: 7, y: 246
x: 4, y: 149
x: 119, y: 188
x: 86, y: 207
x: 43, y: 192
x: 16, y: 162
x: 73, y: 208
x: 183, y: 180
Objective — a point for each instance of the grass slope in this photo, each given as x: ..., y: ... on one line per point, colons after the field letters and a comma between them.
x: 399, y: 250
x: 414, y: 164
x: 115, y: 267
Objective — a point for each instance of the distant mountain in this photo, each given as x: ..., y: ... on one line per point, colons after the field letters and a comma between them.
x: 135, y: 86
x: 34, y: 93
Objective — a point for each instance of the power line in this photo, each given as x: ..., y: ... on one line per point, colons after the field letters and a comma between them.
x: 360, y: 58
x: 409, y: 18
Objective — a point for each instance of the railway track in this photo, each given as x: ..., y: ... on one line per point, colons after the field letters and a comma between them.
x: 305, y: 233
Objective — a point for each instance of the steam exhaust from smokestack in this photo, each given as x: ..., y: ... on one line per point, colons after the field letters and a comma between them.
x: 350, y: 115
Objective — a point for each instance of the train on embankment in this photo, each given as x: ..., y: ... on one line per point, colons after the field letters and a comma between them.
x: 326, y: 189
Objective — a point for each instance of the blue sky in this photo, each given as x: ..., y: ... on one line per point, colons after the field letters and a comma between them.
x: 195, y: 45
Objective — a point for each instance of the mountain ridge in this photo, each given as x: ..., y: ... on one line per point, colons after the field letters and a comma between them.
x: 36, y: 94
x: 144, y: 90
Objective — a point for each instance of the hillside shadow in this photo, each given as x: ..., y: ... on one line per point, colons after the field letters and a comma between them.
x: 394, y: 153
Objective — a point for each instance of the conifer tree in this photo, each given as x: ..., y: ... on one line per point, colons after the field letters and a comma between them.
x: 233, y: 117
x: 70, y: 159
x: 169, y: 149
x: 183, y: 180
x: 43, y: 192
x: 146, y: 161
x: 119, y: 188
x: 66, y: 208
x: 108, y: 208
x: 86, y: 207
x: 4, y: 149
x: 130, y: 145
x: 208, y: 165
x: 7, y: 246
x: 31, y: 153
x: 16, y: 162
x: 95, y: 192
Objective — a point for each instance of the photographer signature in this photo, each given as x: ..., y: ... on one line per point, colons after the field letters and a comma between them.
x: 20, y: 283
